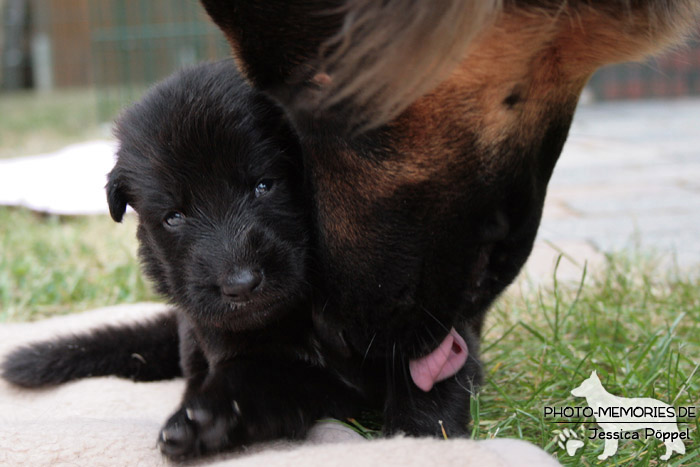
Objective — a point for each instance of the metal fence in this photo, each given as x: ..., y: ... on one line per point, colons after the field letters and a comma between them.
x: 135, y: 44
x: 673, y: 74
x: 120, y: 47
x: 117, y: 47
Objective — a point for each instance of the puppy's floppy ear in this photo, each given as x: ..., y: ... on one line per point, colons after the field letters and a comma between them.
x: 117, y: 194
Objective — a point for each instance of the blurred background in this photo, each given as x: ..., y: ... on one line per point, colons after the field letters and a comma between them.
x: 94, y: 56
x: 115, y: 47
x: 105, y: 53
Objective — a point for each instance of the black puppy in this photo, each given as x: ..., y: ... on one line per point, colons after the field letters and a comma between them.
x: 213, y: 171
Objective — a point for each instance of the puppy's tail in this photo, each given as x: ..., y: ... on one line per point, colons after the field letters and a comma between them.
x: 141, y: 352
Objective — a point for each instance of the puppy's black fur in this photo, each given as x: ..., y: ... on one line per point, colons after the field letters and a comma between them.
x: 213, y: 171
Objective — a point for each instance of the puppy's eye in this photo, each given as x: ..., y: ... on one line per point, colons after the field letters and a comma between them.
x: 263, y: 187
x: 174, y: 219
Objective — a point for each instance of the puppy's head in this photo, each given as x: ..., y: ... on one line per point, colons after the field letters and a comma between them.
x: 213, y: 171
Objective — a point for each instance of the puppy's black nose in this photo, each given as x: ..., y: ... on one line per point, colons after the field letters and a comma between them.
x: 239, y: 286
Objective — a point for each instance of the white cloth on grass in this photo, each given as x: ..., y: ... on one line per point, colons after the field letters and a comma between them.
x: 70, y: 181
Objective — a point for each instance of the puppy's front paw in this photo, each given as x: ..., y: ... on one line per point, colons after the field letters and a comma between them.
x: 199, y: 428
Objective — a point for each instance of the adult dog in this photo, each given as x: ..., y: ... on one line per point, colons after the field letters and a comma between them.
x: 430, y: 131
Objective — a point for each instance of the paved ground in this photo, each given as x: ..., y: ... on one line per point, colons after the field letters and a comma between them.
x: 628, y: 177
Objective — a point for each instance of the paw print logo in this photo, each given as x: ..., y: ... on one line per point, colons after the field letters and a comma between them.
x: 568, y: 439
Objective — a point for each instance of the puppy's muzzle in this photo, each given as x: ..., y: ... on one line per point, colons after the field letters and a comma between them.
x: 241, y: 285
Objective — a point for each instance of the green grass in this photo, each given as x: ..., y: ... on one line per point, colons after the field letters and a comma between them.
x: 32, y: 123
x: 637, y: 326
x: 54, y: 265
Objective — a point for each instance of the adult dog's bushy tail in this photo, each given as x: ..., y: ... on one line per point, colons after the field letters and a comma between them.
x: 141, y: 352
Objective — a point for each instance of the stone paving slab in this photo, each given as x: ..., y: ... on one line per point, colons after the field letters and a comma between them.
x: 575, y: 256
x: 628, y: 178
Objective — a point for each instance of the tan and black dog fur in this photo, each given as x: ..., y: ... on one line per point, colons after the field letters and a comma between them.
x: 430, y: 131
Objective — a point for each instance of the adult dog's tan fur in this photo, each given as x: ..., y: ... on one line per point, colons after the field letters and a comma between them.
x: 388, y: 54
